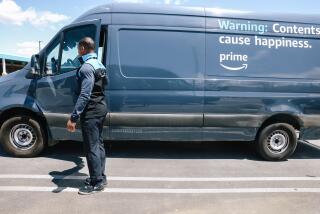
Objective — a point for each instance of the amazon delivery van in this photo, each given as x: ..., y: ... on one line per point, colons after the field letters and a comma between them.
x: 175, y: 74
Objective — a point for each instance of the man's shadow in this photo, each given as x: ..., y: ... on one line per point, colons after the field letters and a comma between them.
x: 70, y: 152
x: 59, y: 177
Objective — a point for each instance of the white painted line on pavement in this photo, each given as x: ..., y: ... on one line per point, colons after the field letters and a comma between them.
x: 215, y: 179
x: 20, y: 176
x: 178, y: 179
x: 166, y: 191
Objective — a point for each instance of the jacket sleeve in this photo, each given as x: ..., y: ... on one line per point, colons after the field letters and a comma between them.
x: 86, y: 75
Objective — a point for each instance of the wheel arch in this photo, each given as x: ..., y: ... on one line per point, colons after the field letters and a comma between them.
x: 21, y: 111
x: 287, y: 118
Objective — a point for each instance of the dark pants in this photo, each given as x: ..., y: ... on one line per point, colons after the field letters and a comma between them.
x: 94, y: 148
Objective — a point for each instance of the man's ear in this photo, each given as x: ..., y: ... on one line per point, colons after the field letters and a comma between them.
x: 80, y: 49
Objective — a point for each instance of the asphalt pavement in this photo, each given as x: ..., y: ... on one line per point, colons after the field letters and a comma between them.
x: 164, y: 177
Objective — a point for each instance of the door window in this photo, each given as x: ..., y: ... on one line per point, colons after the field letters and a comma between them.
x: 52, y: 62
x: 69, y: 60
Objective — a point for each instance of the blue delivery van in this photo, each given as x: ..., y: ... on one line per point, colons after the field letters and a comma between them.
x: 175, y: 74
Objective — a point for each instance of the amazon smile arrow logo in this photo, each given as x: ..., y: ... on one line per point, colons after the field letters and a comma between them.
x: 243, y: 67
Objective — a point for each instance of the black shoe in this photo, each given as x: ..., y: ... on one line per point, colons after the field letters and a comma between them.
x: 89, y: 189
x: 88, y: 182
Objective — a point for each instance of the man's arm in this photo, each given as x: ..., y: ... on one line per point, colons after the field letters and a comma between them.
x: 87, y: 82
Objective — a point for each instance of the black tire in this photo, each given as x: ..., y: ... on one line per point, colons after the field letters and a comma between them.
x: 22, y: 136
x: 277, y: 142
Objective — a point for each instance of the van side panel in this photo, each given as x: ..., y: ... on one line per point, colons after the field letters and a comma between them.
x: 249, y: 76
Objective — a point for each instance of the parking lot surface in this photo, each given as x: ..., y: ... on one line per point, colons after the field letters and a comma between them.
x: 164, y: 177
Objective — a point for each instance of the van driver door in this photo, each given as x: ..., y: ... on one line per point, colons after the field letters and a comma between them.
x: 56, y: 89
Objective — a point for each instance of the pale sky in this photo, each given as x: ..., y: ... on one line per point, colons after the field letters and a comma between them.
x: 24, y: 22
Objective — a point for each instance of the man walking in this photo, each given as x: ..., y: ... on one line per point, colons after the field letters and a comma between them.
x: 91, y: 108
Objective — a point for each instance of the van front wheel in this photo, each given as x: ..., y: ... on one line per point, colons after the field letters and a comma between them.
x: 277, y: 142
x: 22, y: 136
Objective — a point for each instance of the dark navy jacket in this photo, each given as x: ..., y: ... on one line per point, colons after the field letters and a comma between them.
x: 92, y: 80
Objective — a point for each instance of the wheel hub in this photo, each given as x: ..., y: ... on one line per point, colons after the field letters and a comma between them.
x: 22, y: 136
x: 278, y: 141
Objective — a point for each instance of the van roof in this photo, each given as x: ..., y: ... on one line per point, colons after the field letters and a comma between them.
x: 139, y: 8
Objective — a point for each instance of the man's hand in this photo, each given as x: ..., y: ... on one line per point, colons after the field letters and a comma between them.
x: 71, y: 126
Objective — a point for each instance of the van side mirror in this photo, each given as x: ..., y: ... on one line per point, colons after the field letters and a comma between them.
x: 35, y: 67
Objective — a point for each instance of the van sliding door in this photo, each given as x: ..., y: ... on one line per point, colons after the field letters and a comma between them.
x: 156, y: 83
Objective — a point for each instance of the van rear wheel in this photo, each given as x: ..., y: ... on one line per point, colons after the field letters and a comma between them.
x: 277, y: 142
x: 22, y: 136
